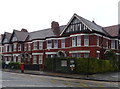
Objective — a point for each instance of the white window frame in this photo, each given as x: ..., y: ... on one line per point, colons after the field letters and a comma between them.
x: 78, y: 40
x: 14, y: 58
x: 40, y: 59
x: 19, y: 59
x: 19, y: 47
x: 86, y: 41
x: 55, y: 43
x: 107, y: 43
x: 40, y: 45
x: 112, y: 44
x: 34, y: 59
x: 35, y: 45
x: 15, y: 47
x: 98, y: 41
x: 63, y: 43
x: 29, y: 46
x: 49, y: 45
x: 73, y: 41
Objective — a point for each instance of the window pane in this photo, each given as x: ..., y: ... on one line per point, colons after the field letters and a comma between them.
x: 86, y: 40
x: 63, y: 43
x: 113, y: 44
x: 55, y: 43
x: 73, y: 41
x: 49, y: 44
x: 78, y: 41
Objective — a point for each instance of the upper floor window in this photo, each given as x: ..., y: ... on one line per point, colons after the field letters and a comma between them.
x: 78, y: 40
x: 35, y: 45
x: 14, y: 39
x: 25, y: 47
x: 49, y: 44
x: 98, y: 41
x: 15, y: 47
x: 5, y: 48
x: 73, y: 41
x: 10, y: 48
x: 55, y: 43
x: 112, y: 44
x: 19, y: 47
x: 63, y: 43
x: 106, y: 43
x: 29, y: 46
x: 40, y: 45
x: 86, y: 40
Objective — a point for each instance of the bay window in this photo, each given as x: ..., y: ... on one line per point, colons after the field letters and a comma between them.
x: 55, y: 43
x: 78, y: 40
x: 112, y: 44
x: 34, y: 59
x: 40, y: 45
x: 35, y: 45
x: 49, y: 44
x: 86, y: 40
x: 63, y: 43
x: 73, y: 41
x: 98, y: 41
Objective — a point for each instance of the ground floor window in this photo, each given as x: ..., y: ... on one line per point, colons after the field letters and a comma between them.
x: 19, y: 59
x: 76, y: 55
x: 34, y: 59
x: 86, y: 55
x: 10, y: 59
x: 40, y: 59
x: 14, y: 59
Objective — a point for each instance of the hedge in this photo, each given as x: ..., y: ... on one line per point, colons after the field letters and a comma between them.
x: 93, y: 65
x: 82, y: 65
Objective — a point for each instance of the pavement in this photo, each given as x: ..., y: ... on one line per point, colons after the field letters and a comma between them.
x: 106, y: 77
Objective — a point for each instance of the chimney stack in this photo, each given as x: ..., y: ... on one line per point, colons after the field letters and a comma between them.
x: 55, y: 27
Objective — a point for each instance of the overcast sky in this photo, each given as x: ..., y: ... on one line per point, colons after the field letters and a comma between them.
x: 38, y: 14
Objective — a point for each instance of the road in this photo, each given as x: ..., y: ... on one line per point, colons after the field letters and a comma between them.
x: 27, y: 80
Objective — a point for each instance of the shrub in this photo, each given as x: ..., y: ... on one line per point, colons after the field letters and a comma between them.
x: 110, y: 55
x: 14, y: 65
x: 93, y: 65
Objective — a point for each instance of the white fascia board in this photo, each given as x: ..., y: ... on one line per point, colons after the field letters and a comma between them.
x: 85, y: 34
x: 56, y: 38
x: 82, y: 51
x: 7, y: 54
x: 37, y: 53
x: 98, y: 51
x: 51, y: 53
x: 16, y: 54
x: 38, y: 40
x: 114, y: 39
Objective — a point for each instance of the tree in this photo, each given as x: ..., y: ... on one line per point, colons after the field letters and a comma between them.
x: 110, y: 55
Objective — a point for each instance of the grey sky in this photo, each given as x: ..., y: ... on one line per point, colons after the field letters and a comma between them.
x: 38, y: 14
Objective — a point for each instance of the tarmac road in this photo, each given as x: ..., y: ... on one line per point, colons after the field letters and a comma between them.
x: 10, y: 79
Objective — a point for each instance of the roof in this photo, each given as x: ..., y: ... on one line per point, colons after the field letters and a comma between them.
x: 112, y: 30
x: 92, y: 25
x: 21, y: 36
x: 42, y: 34
x: 7, y: 35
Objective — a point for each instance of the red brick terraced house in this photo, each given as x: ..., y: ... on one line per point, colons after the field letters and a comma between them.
x: 79, y: 38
